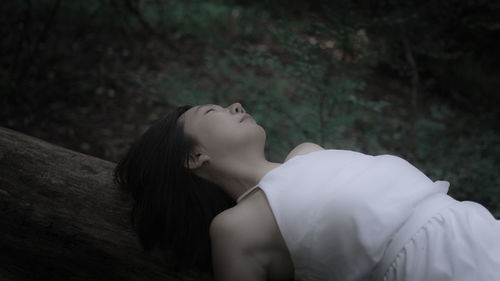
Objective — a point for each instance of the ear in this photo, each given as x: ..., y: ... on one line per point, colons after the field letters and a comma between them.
x: 196, y: 159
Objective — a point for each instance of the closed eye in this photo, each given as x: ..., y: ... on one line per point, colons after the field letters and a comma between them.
x: 209, y: 110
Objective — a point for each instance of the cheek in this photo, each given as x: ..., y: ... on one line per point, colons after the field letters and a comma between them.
x: 228, y: 136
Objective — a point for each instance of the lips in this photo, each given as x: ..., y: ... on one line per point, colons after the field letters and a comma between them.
x: 245, y: 116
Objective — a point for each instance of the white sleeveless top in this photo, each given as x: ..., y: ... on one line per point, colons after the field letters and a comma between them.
x: 337, y: 210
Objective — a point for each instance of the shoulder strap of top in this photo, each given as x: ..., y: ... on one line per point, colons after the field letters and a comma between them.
x: 246, y: 192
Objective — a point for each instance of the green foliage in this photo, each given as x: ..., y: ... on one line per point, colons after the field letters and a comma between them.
x: 443, y: 138
x: 300, y: 89
x: 290, y: 93
x: 305, y: 71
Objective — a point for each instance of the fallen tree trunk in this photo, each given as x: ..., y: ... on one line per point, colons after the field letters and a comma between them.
x: 63, y: 218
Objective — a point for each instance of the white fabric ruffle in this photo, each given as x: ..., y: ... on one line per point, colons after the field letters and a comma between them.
x: 460, y: 243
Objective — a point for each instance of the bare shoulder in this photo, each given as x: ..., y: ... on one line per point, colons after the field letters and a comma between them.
x: 236, y: 251
x: 223, y: 223
x: 247, y: 244
x: 237, y: 224
x: 303, y: 148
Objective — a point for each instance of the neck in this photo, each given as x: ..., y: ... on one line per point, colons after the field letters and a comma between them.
x: 236, y: 176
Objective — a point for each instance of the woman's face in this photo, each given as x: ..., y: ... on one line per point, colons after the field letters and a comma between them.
x: 223, y: 131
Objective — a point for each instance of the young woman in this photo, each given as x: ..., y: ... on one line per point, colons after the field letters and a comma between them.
x: 206, y: 195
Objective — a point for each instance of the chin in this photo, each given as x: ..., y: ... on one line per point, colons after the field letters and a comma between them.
x: 261, y: 135
x: 258, y: 129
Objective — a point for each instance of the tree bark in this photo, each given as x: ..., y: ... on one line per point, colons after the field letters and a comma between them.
x: 63, y: 218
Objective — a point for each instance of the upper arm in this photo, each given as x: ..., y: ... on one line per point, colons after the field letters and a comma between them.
x: 303, y: 148
x: 233, y: 257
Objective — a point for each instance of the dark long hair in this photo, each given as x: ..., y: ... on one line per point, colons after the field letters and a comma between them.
x: 173, y: 207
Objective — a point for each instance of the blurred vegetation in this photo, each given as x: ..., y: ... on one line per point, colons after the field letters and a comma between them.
x: 410, y: 78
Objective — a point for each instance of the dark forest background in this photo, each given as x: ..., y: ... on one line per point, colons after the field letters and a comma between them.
x: 418, y: 79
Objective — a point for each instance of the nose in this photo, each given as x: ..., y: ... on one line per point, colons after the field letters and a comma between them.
x: 237, y: 108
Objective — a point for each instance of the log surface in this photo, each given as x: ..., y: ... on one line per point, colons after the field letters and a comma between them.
x: 63, y: 217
